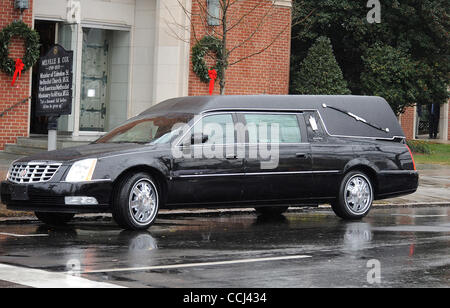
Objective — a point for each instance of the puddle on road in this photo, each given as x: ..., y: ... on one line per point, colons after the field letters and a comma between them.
x: 435, y: 229
x: 419, y: 216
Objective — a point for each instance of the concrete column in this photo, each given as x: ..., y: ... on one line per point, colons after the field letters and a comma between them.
x: 171, y: 70
x: 443, y: 122
x: 52, y: 140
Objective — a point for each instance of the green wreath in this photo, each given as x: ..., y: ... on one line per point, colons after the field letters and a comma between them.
x: 199, y: 51
x: 32, y: 46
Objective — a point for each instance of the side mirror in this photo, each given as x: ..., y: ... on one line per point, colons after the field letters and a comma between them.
x: 199, y: 139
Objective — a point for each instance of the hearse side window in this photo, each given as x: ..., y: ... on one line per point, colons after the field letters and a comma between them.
x: 260, y: 128
x: 219, y: 128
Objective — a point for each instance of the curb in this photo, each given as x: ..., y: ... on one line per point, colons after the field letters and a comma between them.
x: 218, y: 212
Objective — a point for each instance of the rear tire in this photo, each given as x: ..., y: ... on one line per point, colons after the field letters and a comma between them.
x: 355, y: 196
x: 269, y: 211
x: 54, y: 219
x: 136, y: 201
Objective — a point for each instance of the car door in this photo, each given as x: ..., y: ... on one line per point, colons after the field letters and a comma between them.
x: 209, y: 171
x: 278, y: 160
x: 329, y: 156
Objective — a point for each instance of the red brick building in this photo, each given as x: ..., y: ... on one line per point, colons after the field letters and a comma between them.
x: 14, y: 123
x: 128, y: 56
x: 266, y: 73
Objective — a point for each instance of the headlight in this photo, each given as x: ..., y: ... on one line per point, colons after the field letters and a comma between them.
x: 10, y: 170
x: 82, y: 171
x: 8, y: 173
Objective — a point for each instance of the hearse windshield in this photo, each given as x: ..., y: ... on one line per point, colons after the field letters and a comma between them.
x: 156, y: 129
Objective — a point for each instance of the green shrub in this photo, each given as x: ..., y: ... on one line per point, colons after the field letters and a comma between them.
x: 319, y: 73
x: 390, y: 73
x: 418, y: 146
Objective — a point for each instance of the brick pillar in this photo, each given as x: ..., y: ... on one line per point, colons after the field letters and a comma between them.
x: 407, y: 122
x: 15, y: 123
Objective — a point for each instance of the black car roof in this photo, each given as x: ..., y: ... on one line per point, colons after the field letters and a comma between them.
x: 373, y: 110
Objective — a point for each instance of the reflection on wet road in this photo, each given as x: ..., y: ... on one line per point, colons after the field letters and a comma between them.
x: 311, y: 249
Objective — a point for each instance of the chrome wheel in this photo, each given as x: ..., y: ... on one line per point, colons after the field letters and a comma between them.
x: 143, y: 202
x: 358, y: 194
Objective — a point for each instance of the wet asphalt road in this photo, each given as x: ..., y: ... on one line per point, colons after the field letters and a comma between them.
x: 299, y: 249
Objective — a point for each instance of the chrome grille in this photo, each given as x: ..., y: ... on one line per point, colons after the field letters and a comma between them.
x: 33, y: 172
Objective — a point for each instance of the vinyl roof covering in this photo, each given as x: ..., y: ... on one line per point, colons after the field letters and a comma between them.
x: 373, y: 110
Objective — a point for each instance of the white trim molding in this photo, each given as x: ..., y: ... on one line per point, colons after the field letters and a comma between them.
x: 283, y: 3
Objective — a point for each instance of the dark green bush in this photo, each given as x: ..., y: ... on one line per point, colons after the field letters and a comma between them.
x: 319, y: 73
x: 418, y: 146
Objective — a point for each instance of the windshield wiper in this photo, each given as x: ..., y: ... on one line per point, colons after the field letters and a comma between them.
x: 357, y: 118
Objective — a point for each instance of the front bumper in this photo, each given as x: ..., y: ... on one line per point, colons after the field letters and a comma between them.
x: 50, y: 196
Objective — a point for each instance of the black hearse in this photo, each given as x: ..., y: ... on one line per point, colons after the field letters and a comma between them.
x: 267, y: 152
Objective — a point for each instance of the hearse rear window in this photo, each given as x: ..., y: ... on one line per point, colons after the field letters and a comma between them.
x: 260, y: 127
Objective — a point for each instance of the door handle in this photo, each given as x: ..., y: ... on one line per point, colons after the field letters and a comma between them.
x: 231, y: 157
x: 301, y: 155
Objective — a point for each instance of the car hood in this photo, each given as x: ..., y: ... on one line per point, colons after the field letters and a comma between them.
x: 88, y: 151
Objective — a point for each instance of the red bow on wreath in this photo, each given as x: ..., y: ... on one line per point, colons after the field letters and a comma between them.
x: 19, y: 68
x: 213, y: 76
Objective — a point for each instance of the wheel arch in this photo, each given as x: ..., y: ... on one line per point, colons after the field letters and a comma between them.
x: 157, y: 174
x: 369, y: 171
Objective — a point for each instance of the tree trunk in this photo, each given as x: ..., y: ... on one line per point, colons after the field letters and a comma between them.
x: 224, y: 47
x: 222, y: 82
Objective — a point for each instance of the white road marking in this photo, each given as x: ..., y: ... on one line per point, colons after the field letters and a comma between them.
x: 186, y: 265
x: 418, y: 216
x: 23, y: 235
x: 43, y: 279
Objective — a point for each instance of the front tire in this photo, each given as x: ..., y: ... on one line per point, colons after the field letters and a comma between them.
x: 355, y: 196
x: 54, y: 219
x: 136, y: 202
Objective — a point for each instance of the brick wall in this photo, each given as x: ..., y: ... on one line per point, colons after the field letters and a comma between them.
x: 15, y: 123
x: 266, y: 73
x: 407, y: 121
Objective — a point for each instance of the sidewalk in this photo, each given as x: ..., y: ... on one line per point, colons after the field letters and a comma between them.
x: 434, y: 188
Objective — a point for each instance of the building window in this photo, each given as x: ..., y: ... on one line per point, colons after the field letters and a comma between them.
x: 213, y: 12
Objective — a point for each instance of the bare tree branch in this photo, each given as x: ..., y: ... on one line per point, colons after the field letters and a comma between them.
x: 258, y: 4
x: 205, y: 20
x: 228, y: 23
x: 257, y: 29
x: 188, y: 15
x: 272, y: 42
x: 186, y: 28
